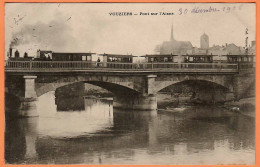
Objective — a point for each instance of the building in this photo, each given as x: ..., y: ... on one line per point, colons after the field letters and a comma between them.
x: 252, y: 48
x: 204, y: 41
x: 232, y: 49
x: 173, y: 46
x: 196, y: 51
x: 217, y: 50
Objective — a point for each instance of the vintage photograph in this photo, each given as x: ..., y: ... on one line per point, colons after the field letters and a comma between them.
x: 130, y: 83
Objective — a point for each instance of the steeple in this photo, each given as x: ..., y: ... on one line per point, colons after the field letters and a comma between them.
x: 204, y: 41
x: 172, y: 34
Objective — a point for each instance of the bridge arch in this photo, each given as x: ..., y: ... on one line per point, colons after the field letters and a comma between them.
x: 226, y: 82
x: 112, y: 84
x: 202, y: 90
x: 204, y: 84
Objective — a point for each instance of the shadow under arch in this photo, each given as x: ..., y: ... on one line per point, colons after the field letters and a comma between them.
x: 200, y: 91
x: 124, y: 97
x: 196, y: 84
x: 114, y: 88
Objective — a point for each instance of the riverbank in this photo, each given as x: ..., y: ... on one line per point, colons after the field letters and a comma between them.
x: 244, y: 106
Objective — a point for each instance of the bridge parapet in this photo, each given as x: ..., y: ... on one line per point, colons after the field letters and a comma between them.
x: 50, y: 66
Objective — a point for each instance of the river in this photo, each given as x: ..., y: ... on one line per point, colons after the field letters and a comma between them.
x: 90, y: 131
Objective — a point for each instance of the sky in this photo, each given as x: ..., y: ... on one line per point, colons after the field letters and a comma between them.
x: 89, y: 27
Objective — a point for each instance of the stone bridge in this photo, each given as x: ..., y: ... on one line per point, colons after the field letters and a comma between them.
x: 133, y: 89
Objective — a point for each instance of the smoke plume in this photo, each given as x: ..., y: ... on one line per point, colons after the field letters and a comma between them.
x: 55, y: 35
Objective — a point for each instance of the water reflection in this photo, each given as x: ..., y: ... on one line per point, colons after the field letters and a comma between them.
x: 70, y: 103
x: 20, y: 139
x: 97, y: 116
x: 100, y: 134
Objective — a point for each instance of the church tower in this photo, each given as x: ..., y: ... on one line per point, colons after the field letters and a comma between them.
x: 172, y: 34
x: 204, y: 41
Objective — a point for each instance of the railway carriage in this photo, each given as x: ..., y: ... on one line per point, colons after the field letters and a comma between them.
x: 56, y: 56
x: 198, y: 58
x: 117, y: 61
x: 243, y: 61
x: 159, y: 58
x: 160, y: 61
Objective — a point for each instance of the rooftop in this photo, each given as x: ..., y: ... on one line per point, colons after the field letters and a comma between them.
x: 239, y: 55
x: 116, y: 55
x: 159, y: 55
x: 72, y: 53
x: 199, y: 55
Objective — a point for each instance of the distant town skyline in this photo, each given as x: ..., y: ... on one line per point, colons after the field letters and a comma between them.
x: 75, y: 27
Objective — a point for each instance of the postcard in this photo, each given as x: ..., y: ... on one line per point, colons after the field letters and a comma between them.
x: 129, y: 83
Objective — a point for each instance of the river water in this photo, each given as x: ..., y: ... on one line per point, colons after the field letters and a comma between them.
x: 75, y: 130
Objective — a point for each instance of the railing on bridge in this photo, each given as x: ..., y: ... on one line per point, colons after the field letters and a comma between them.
x: 83, y: 65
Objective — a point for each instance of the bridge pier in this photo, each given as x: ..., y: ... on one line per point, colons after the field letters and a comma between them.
x: 145, y: 101
x: 244, y: 85
x: 28, y: 106
x: 151, y: 89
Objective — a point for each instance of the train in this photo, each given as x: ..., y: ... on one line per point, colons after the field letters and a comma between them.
x: 45, y: 55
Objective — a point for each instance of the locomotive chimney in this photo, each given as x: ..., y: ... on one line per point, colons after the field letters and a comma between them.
x: 10, y: 51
